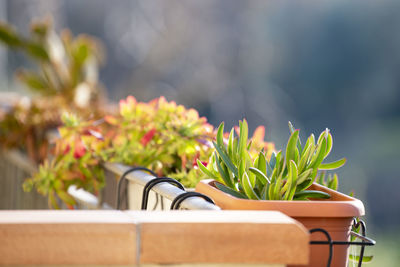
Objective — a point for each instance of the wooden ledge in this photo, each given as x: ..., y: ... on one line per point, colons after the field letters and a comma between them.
x: 142, y: 237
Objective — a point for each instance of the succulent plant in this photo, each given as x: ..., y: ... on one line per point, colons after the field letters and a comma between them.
x: 278, y: 177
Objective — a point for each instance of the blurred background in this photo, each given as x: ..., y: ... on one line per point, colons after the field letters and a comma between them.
x: 318, y: 64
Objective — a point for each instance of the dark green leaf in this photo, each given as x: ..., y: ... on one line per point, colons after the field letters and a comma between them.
x: 223, y: 172
x: 230, y: 191
x: 37, y: 51
x: 225, y: 158
x: 9, y: 36
x: 312, y: 194
x: 304, y: 185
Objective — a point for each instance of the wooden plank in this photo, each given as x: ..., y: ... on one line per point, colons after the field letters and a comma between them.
x: 221, y: 237
x: 144, y: 237
x: 64, y: 237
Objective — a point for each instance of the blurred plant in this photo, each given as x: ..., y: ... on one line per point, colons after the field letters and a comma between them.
x: 66, y: 79
x: 330, y: 181
x: 280, y: 177
x: 160, y: 135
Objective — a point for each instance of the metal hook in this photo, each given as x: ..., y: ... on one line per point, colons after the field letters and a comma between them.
x: 363, y: 230
x: 329, y: 242
x: 123, y: 178
x: 365, y: 241
x: 176, y: 203
x: 153, y: 182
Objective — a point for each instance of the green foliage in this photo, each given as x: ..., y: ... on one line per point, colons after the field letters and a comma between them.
x: 276, y: 177
x: 161, y: 135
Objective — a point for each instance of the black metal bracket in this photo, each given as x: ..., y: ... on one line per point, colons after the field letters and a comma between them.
x: 152, y: 183
x: 366, y: 241
x: 123, y: 178
x: 176, y: 203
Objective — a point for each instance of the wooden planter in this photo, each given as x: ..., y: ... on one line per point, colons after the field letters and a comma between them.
x: 335, y: 215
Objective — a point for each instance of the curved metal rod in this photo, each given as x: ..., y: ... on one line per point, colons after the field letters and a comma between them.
x: 324, y: 242
x: 152, y: 183
x: 119, y: 186
x: 176, y: 203
x: 363, y: 230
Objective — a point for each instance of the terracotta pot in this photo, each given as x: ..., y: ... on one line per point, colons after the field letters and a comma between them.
x: 335, y: 215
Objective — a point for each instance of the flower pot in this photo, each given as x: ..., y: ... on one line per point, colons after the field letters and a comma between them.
x: 335, y: 215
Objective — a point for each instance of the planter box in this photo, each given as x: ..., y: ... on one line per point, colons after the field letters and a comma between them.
x: 335, y: 215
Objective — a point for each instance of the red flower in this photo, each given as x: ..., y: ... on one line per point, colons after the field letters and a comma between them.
x: 148, y: 136
x: 67, y: 149
x: 80, y: 150
x: 195, y: 165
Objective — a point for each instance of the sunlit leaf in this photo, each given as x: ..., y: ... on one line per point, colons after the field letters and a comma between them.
x: 247, y: 187
x: 332, y: 165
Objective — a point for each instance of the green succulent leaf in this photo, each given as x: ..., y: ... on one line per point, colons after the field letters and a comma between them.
x: 291, y: 146
x: 248, y: 189
x: 304, y: 175
x: 292, y: 130
x: 262, y: 163
x: 230, y: 191
x: 272, y: 161
x: 225, y: 158
x: 304, y: 185
x: 332, y: 165
x: 243, y: 135
x: 312, y: 194
x: 292, y: 181
x: 231, y: 150
x: 205, y: 170
x: 260, y: 176
x: 220, y: 135
x: 223, y: 172
x: 319, y: 154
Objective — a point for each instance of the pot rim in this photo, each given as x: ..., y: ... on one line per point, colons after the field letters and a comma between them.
x: 339, y: 205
